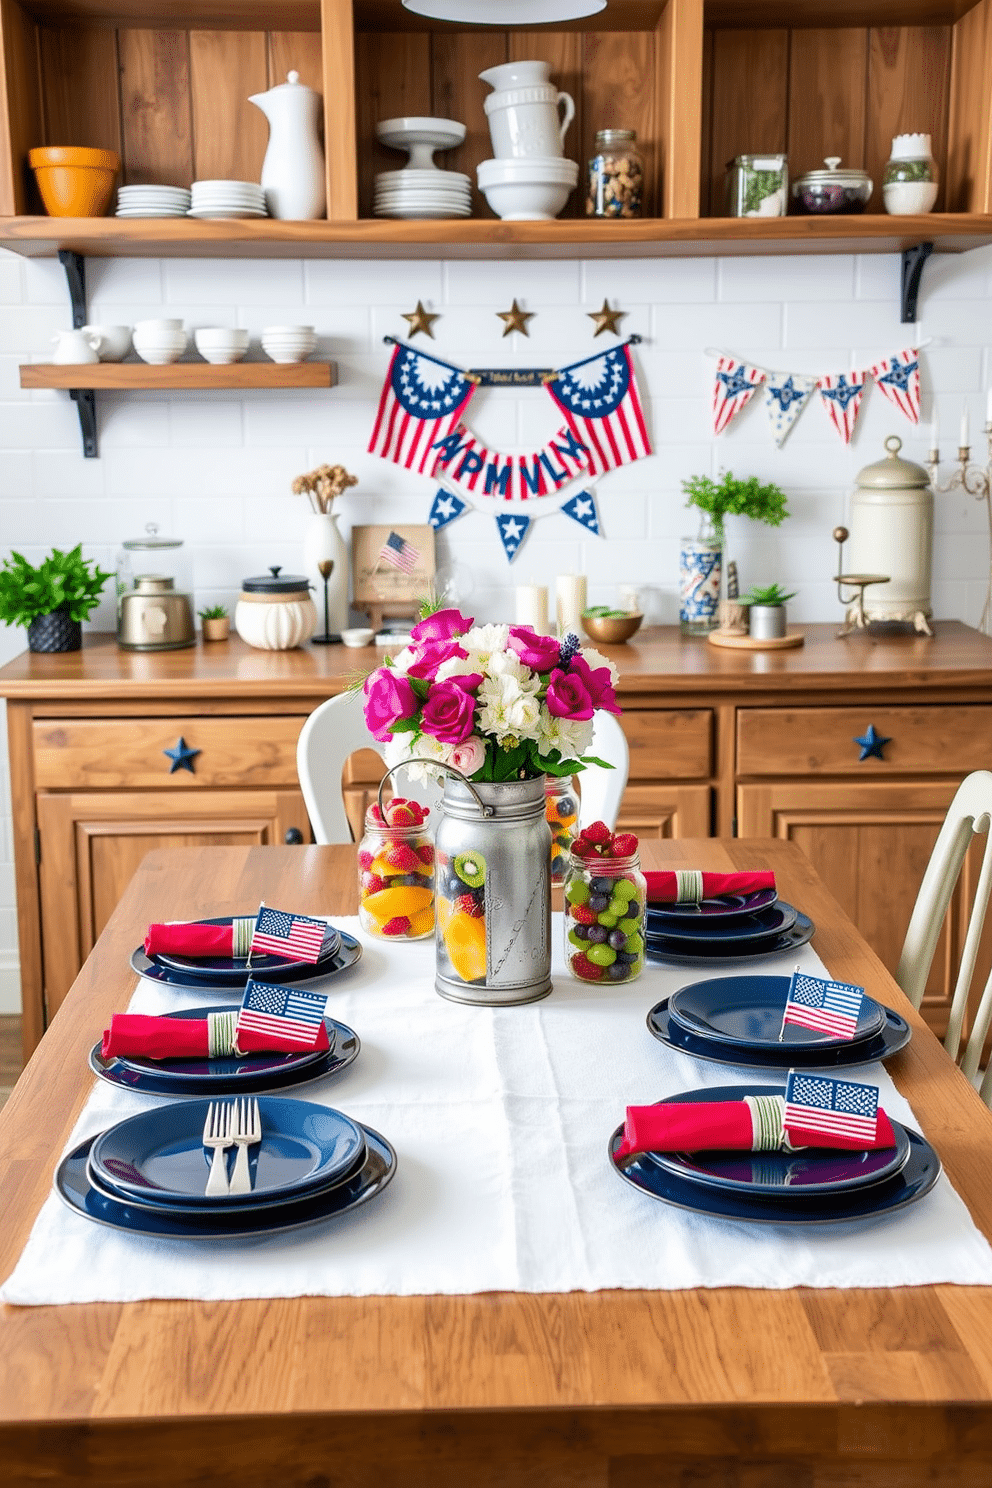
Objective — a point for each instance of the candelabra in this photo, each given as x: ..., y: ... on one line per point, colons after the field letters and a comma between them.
x: 976, y: 481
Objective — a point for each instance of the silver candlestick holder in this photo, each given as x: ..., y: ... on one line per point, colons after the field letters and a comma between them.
x: 974, y: 480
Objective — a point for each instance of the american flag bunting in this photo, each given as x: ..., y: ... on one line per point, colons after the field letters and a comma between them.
x: 897, y: 377
x: 485, y: 472
x: 816, y: 1106
x: 734, y: 384
x: 602, y: 407
x: 829, y: 1007
x: 288, y: 1013
x: 422, y: 400
x: 841, y: 393
x: 293, y: 937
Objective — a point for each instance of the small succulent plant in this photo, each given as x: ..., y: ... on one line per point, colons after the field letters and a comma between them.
x: 770, y: 594
x: 213, y: 612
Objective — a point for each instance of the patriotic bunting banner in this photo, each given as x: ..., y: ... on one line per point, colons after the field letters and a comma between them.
x: 445, y: 508
x: 484, y: 472
x: 898, y: 378
x: 421, y: 402
x: 602, y: 407
x: 582, y: 509
x: 841, y: 393
x: 786, y: 395
x: 733, y: 387
x: 512, y: 530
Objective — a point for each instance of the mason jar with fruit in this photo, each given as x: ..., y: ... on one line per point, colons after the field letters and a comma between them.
x: 561, y: 808
x: 605, y: 897
x: 396, y: 872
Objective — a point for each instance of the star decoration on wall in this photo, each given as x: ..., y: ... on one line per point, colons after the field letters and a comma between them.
x: 606, y: 319
x: 515, y: 319
x: 420, y: 320
x: 872, y: 743
x: 182, y: 756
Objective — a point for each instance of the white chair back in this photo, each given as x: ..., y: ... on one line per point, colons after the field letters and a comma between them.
x: 969, y: 815
x: 602, y: 790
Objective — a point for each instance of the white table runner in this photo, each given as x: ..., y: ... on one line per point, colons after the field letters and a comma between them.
x: 500, y: 1118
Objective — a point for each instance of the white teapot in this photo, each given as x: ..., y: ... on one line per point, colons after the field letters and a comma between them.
x: 75, y: 347
x: 293, y: 168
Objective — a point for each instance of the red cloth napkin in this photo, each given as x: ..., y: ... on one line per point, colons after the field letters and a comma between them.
x: 663, y: 887
x: 185, y: 1038
x: 190, y: 940
x: 721, y: 1126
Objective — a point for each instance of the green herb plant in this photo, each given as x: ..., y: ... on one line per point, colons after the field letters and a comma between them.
x: 769, y: 594
x: 737, y: 498
x: 213, y: 612
x: 63, y: 579
x: 603, y: 612
x: 759, y: 184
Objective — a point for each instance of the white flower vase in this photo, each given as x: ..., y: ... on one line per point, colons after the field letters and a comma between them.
x: 322, y: 542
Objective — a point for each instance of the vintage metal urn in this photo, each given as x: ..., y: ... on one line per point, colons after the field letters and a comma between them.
x: 892, y: 533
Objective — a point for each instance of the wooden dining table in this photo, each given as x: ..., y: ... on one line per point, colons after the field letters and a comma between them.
x: 747, y: 1388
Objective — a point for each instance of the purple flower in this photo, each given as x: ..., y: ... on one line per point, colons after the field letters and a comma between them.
x: 430, y: 655
x: 568, y: 696
x: 388, y: 697
x: 598, y: 684
x: 442, y: 626
x: 449, y: 713
x: 538, y: 652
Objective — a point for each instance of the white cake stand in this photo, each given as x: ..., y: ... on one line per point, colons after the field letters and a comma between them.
x: 420, y: 137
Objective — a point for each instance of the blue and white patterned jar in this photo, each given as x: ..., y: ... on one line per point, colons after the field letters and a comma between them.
x: 700, y: 563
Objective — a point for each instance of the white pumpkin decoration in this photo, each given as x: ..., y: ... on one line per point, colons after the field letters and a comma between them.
x: 275, y: 614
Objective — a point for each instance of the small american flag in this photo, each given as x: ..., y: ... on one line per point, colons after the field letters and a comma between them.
x: 293, y: 937
x: 400, y: 553
x: 819, y: 1106
x: 829, y: 1007
x: 288, y: 1012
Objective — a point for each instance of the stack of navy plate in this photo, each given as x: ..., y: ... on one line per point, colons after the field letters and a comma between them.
x: 736, y: 927
x: 227, y: 975
x: 148, y: 1174
x: 812, y: 1186
x: 738, y: 1020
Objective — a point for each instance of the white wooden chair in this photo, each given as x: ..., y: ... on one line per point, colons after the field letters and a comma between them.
x: 969, y: 815
x: 337, y: 728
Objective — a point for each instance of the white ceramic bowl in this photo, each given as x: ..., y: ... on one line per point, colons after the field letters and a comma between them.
x: 543, y: 168
x: 526, y: 201
x: 361, y: 635
x: 288, y: 330
x: 157, y: 328
x: 221, y: 347
x: 160, y: 350
x: 286, y: 354
x: 115, y: 341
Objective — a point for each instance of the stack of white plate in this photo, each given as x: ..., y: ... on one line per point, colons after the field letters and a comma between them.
x: 227, y: 199
x: 422, y: 193
x: 153, y: 201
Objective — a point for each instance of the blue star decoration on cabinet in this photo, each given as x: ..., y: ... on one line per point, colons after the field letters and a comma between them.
x: 182, y: 756
x: 872, y: 743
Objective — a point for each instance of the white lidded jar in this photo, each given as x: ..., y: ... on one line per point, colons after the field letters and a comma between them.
x: 910, y: 183
x: 892, y: 533
x: 275, y: 611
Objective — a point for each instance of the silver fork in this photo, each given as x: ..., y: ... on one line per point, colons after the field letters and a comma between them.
x: 247, y: 1131
x: 217, y: 1134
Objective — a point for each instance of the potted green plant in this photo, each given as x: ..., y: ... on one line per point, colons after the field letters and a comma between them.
x: 701, y: 559
x: 216, y: 622
x: 766, y: 611
x: 51, y: 600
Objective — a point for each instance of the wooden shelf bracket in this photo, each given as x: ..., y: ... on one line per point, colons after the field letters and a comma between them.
x: 913, y: 260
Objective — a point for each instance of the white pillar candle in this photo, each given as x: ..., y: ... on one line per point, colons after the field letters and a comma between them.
x: 935, y: 429
x: 964, y: 440
x: 570, y: 592
x: 532, y: 607
x: 988, y: 406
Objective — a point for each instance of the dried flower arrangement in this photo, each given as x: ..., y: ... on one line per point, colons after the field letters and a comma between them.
x: 323, y: 485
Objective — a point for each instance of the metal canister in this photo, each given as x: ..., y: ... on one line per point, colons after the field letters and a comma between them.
x: 892, y: 533
x: 493, y: 892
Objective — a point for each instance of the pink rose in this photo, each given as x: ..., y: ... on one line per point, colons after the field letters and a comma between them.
x: 469, y: 756
x: 441, y: 626
x: 467, y: 681
x: 430, y: 655
x: 538, y: 652
x: 568, y: 696
x: 449, y: 713
x: 598, y: 684
x: 388, y: 697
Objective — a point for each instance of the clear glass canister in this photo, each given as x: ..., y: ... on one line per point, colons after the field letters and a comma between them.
x: 616, y: 175
x: 561, y: 807
x: 156, y: 557
x: 604, y: 918
x: 757, y: 186
x: 396, y: 880
x: 910, y: 183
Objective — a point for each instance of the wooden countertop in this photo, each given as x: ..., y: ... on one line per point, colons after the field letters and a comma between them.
x: 658, y: 660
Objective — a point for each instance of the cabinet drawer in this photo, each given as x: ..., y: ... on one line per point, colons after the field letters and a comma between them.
x: 822, y: 741
x: 107, y: 754
x: 671, y: 744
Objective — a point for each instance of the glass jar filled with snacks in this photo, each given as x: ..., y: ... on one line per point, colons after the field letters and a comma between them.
x: 616, y: 175
x: 396, y: 872
x: 561, y: 807
x: 605, y: 897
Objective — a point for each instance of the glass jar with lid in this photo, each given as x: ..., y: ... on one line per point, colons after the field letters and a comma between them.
x: 154, y: 593
x: 910, y: 183
x: 396, y: 879
x: 605, y: 900
x: 757, y: 186
x: 561, y: 807
x: 616, y: 175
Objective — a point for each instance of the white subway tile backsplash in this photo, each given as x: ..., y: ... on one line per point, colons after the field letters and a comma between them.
x: 236, y: 281
x: 395, y: 282
x: 663, y: 281
x: 534, y: 284
x: 785, y: 277
x: 844, y: 327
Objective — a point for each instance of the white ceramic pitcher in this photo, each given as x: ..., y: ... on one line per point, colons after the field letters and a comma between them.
x: 293, y: 169
x: 75, y: 347
x: 527, y: 114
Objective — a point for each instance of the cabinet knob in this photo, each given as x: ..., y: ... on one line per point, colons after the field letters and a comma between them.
x: 293, y: 837
x: 182, y: 756
x: 872, y: 743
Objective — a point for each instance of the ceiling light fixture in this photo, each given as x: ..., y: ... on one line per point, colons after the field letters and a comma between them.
x: 505, y: 12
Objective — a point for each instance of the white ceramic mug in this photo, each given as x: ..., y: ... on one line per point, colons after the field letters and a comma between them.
x: 528, y: 123
x: 75, y: 347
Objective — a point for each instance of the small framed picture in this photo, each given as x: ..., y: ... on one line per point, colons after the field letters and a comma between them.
x: 392, y: 568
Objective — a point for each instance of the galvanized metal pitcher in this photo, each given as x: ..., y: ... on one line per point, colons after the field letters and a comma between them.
x: 493, y: 892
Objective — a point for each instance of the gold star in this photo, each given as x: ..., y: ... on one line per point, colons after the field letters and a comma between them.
x: 516, y: 319
x: 420, y: 320
x: 606, y: 319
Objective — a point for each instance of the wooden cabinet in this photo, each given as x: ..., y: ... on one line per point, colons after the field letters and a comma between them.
x: 165, y: 83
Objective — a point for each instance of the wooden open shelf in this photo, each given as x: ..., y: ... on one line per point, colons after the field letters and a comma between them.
x: 136, y: 376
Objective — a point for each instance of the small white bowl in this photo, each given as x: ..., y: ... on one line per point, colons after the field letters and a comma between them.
x: 115, y: 341
x: 527, y: 201
x: 221, y: 347
x: 160, y: 350
x: 288, y: 330
x: 361, y: 635
x: 157, y: 328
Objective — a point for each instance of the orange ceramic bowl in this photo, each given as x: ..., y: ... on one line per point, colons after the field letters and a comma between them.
x: 74, y: 182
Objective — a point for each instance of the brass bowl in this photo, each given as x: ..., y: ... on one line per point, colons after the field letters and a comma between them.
x: 610, y: 630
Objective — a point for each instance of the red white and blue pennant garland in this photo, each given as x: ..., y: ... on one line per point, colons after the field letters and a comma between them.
x: 419, y: 425
x: 786, y: 394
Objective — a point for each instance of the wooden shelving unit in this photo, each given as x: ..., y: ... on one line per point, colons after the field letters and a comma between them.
x: 140, y: 376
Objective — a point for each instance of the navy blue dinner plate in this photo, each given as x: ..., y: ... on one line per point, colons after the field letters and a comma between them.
x: 231, y: 1075
x: 895, y: 1035
x: 749, y: 1009
x: 679, y: 953
x: 367, y: 1181
x: 159, y: 1154
x: 748, y: 930
x: 349, y: 951
x: 726, y: 907
x: 234, y: 971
